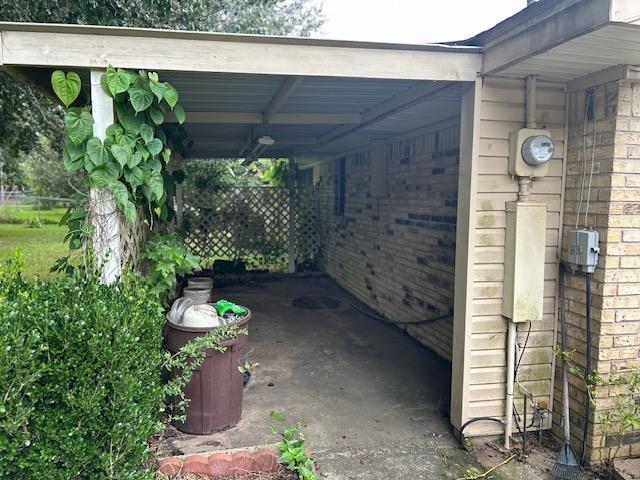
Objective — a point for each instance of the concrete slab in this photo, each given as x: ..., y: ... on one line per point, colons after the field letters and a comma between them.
x: 374, y: 400
x: 627, y: 468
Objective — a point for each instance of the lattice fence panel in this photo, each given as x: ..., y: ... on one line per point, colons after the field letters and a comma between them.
x: 307, y: 224
x: 252, y: 224
x: 242, y: 223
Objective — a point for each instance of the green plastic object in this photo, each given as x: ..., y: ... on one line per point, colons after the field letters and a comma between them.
x: 225, y: 306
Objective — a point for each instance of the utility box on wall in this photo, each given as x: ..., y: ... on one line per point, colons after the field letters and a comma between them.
x: 524, y: 261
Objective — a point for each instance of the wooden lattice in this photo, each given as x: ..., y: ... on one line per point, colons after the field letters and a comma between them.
x: 251, y: 224
x: 132, y: 238
x: 307, y: 224
x: 242, y: 223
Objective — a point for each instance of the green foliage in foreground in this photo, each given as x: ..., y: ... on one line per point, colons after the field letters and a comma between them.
x: 80, y: 375
x: 293, y: 452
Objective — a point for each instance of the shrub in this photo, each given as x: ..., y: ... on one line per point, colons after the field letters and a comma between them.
x: 80, y: 376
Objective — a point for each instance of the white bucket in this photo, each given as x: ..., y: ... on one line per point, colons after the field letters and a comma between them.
x: 200, y: 282
x: 198, y: 294
x: 201, y: 316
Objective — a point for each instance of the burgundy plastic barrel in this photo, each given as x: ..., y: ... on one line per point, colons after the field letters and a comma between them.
x: 215, y: 390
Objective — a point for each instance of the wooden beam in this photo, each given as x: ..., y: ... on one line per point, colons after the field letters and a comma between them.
x: 225, y: 153
x: 237, y: 143
x: 88, y: 47
x: 539, y: 35
x: 276, y: 119
x: 284, y: 92
x: 408, y: 99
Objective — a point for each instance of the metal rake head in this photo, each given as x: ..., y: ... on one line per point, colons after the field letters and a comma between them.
x: 567, y: 466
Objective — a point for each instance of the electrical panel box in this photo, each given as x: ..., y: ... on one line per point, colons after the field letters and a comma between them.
x: 530, y: 152
x: 584, y: 249
x: 524, y: 261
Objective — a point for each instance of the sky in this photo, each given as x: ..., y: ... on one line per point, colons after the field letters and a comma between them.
x: 413, y: 21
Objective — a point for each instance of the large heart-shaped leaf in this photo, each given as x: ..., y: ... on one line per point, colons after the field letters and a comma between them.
x: 135, y: 160
x: 170, y: 94
x: 128, y: 118
x: 114, y: 130
x: 146, y: 132
x: 120, y: 192
x: 104, y: 175
x: 74, y: 151
x: 155, y: 165
x: 97, y: 152
x: 121, y: 199
x: 117, y: 80
x: 157, y: 115
x: 79, y: 125
x: 156, y: 185
x: 158, y: 90
x: 130, y: 212
x: 154, y: 146
x: 71, y: 165
x: 178, y: 111
x: 66, y: 87
x: 122, y: 154
x: 140, y: 98
x: 135, y: 177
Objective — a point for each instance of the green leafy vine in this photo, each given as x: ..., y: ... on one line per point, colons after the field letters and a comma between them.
x: 132, y: 160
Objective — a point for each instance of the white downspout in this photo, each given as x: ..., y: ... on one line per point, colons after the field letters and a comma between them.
x: 523, y: 194
x: 511, y: 364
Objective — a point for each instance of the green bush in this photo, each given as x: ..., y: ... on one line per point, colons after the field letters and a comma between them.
x: 80, y: 386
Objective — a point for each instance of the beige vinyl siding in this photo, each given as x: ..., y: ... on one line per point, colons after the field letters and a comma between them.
x: 503, y: 111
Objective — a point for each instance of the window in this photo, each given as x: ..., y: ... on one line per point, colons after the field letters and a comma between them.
x: 341, y: 180
x: 305, y: 177
x: 591, y: 103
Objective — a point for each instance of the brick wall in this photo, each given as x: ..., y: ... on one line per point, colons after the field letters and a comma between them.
x: 610, y: 139
x: 395, y: 251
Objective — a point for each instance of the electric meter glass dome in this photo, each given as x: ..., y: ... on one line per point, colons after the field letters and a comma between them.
x: 537, y: 150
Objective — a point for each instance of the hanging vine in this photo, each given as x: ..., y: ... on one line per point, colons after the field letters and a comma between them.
x: 132, y: 160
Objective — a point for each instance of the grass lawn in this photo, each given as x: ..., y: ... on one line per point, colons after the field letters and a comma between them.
x: 40, y: 247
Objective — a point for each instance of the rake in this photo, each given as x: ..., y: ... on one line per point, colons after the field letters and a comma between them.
x: 567, y: 466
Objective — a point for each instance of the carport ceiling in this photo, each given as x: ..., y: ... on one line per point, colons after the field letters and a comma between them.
x: 226, y: 113
x: 310, y: 95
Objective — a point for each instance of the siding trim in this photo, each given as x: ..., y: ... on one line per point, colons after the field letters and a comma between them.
x: 465, y: 248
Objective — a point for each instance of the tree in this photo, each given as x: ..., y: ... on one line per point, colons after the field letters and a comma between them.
x: 25, y: 114
x: 44, y: 173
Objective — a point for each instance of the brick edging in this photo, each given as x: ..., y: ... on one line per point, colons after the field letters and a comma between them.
x: 223, y: 463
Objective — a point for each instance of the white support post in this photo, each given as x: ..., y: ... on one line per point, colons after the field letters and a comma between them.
x: 291, y: 184
x: 103, y: 213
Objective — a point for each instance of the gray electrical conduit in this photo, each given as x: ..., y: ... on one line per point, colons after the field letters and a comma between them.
x: 365, y: 310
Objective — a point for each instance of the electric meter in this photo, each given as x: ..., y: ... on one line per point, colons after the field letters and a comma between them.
x: 530, y: 152
x: 537, y: 150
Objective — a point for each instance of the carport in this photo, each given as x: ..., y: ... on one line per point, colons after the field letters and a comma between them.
x: 409, y: 146
x: 314, y: 99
